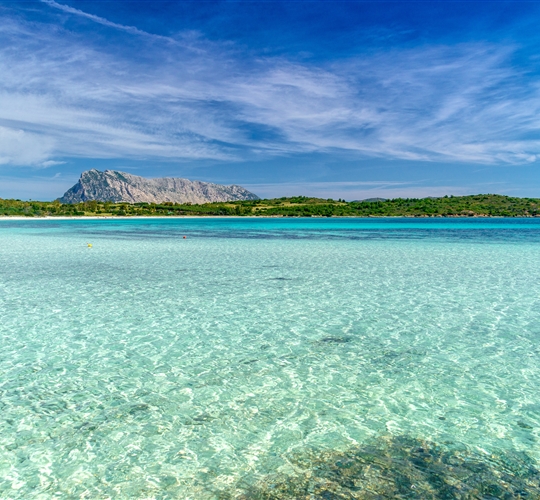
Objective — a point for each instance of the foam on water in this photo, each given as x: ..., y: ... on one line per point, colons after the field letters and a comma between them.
x: 152, y: 366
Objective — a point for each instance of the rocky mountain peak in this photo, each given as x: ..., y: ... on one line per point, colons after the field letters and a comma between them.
x: 115, y: 186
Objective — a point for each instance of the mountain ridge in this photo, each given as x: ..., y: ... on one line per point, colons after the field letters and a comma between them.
x: 120, y: 187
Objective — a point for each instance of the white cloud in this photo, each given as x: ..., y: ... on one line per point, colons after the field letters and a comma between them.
x: 61, y: 96
x: 23, y: 148
x: 105, y: 22
x: 52, y: 163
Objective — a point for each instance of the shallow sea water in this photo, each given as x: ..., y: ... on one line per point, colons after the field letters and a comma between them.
x: 265, y: 358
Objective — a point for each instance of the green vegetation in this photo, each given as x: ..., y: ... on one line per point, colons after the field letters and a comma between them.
x: 484, y: 205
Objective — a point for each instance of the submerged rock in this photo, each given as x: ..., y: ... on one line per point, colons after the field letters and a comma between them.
x: 136, y: 408
x: 400, y: 467
x: 336, y: 340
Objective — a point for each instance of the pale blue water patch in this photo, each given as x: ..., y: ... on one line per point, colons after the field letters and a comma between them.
x: 153, y: 366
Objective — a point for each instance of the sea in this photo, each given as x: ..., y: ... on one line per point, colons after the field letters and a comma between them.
x: 269, y: 358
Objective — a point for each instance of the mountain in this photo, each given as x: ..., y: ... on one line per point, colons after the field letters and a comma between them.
x: 115, y: 186
x: 373, y: 200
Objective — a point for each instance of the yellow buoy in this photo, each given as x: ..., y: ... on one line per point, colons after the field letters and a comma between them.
x: 89, y: 245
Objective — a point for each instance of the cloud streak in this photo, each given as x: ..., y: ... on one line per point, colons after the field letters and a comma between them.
x: 19, y: 146
x: 62, y: 97
x: 104, y: 22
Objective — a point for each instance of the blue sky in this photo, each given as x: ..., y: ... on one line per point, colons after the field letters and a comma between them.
x: 327, y: 98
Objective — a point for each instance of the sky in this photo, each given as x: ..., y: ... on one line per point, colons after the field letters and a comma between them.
x: 336, y: 99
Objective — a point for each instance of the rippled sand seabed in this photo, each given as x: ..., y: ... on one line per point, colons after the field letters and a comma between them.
x: 269, y: 359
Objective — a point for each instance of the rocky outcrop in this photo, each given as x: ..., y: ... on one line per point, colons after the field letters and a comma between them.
x: 371, y: 200
x: 115, y: 186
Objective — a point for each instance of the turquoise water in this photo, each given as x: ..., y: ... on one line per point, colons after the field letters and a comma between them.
x: 153, y: 366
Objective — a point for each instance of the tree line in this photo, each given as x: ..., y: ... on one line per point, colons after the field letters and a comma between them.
x: 484, y: 205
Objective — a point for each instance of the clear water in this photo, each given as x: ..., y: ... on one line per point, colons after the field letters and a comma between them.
x: 153, y: 366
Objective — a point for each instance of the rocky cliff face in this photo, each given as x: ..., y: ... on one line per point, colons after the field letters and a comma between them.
x: 122, y: 187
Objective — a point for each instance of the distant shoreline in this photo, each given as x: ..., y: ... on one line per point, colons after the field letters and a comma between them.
x: 482, y: 205
x: 126, y: 217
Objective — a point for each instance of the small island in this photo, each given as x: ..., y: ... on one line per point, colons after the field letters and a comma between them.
x: 482, y: 205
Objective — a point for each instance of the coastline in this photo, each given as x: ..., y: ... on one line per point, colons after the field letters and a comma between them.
x: 300, y: 206
x: 110, y: 217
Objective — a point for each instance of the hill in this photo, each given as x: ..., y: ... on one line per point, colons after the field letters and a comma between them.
x: 121, y: 187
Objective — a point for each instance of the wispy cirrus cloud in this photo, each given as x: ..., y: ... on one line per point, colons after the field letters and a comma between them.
x: 105, y: 22
x: 52, y: 163
x: 66, y: 96
x: 20, y: 146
